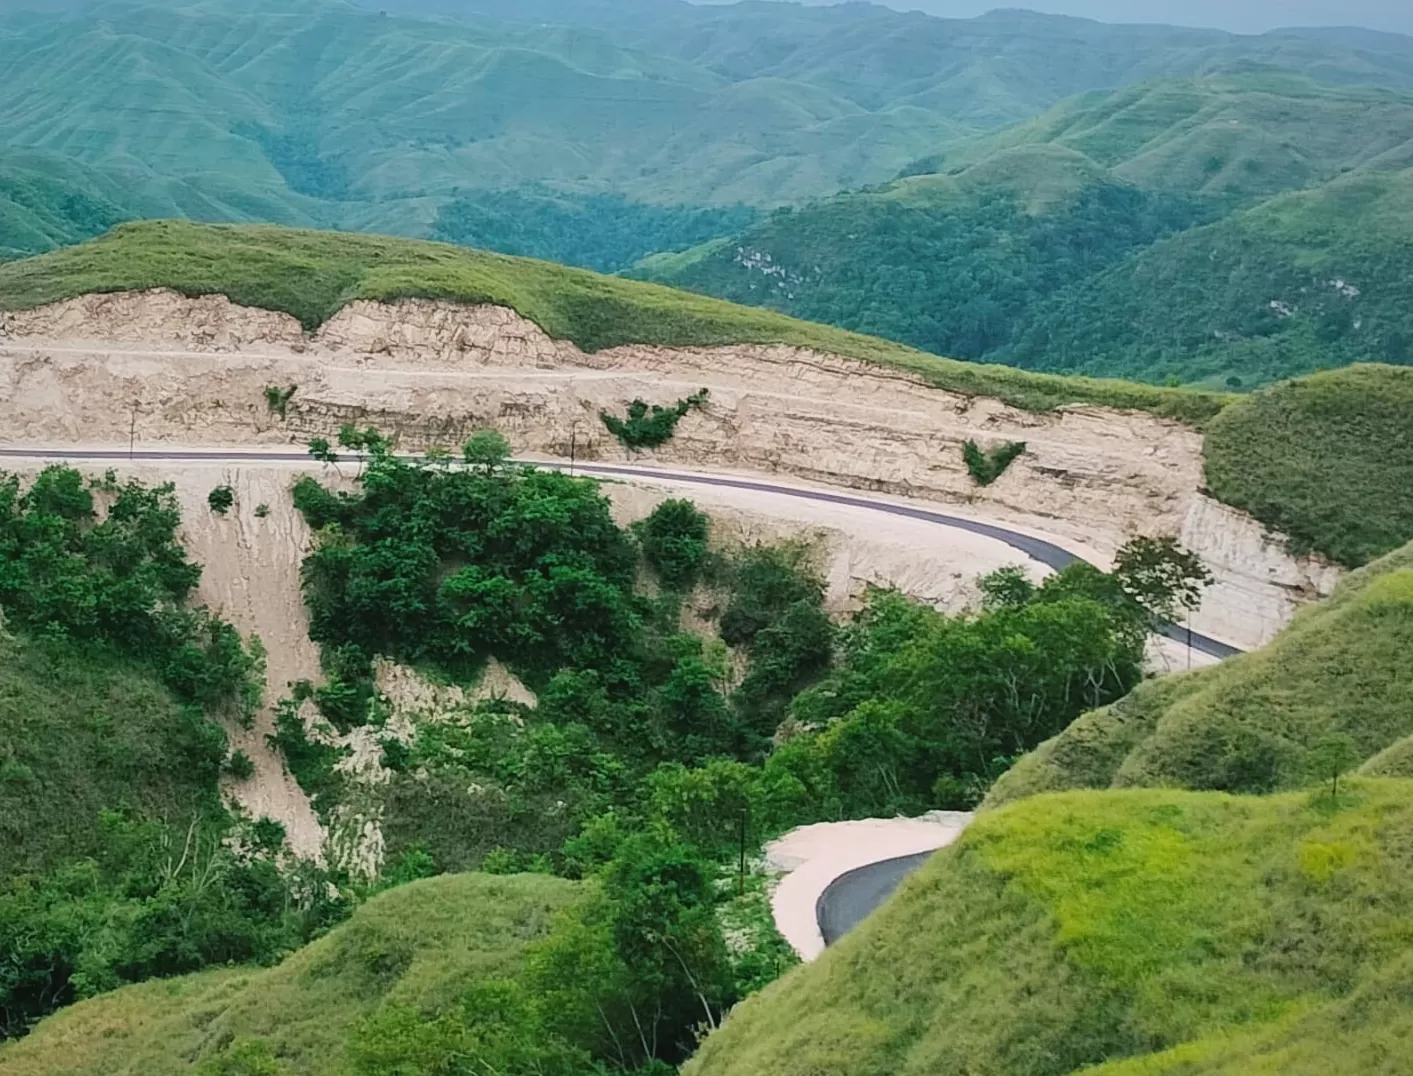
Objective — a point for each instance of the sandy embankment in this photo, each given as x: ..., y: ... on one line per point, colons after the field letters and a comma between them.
x: 157, y: 368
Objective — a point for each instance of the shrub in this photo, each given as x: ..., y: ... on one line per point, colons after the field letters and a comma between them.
x: 986, y: 467
x: 239, y: 767
x: 647, y: 427
x: 221, y: 499
x: 262, y: 511
x: 277, y: 399
x: 674, y: 542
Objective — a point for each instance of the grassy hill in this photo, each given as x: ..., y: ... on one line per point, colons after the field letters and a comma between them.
x: 1242, y: 137
x: 1250, y: 724
x: 1327, y: 459
x: 415, y: 948
x: 312, y: 275
x: 1146, y: 233
x: 81, y: 733
x: 1140, y: 931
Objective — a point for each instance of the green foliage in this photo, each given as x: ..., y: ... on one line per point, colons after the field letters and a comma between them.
x: 448, y: 567
x: 1251, y: 723
x: 986, y: 467
x: 221, y: 499
x: 604, y: 232
x: 674, y: 542
x: 1135, y: 932
x: 1332, y: 757
x: 239, y: 767
x: 312, y: 275
x: 1161, y: 576
x: 651, y: 428
x: 312, y: 763
x: 925, y: 710
x: 277, y: 399
x: 153, y: 903
x: 117, y: 578
x: 1327, y: 460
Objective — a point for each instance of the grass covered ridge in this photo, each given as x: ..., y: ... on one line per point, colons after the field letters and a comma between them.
x: 312, y: 275
x: 1326, y: 459
x: 1249, y: 724
x: 418, y: 946
x: 1084, y: 928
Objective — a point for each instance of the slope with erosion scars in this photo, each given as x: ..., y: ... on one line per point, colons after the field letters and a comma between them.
x: 156, y: 367
x: 251, y: 575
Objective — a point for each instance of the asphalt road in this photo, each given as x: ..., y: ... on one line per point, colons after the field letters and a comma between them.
x: 1038, y: 549
x: 852, y: 897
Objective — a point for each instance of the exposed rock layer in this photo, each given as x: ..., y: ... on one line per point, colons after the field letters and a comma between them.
x: 155, y: 367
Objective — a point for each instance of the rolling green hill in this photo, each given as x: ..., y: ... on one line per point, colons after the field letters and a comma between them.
x: 1251, y: 724
x: 418, y: 949
x: 1228, y: 231
x: 1242, y: 137
x: 1305, y: 281
x: 385, y: 117
x: 312, y: 275
x: 1135, y: 932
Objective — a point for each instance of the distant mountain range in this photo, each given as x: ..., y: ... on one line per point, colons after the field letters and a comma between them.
x: 1228, y: 231
x: 668, y: 135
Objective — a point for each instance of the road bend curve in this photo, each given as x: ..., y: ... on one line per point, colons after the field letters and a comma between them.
x: 1041, y: 550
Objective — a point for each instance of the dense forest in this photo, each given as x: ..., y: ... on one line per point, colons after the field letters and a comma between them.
x: 957, y: 279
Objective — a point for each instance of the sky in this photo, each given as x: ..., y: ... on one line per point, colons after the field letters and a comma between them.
x: 1241, y: 16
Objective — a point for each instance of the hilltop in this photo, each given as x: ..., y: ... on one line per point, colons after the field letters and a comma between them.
x: 1136, y: 932
x: 312, y: 275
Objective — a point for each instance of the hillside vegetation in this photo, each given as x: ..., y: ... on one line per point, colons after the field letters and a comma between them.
x: 1306, y: 281
x: 1228, y: 231
x: 415, y: 949
x: 311, y: 275
x: 1327, y: 460
x: 1257, y: 722
x: 1187, y: 932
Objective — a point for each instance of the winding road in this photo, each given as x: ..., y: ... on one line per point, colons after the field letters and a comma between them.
x: 851, y: 897
x: 1040, y: 550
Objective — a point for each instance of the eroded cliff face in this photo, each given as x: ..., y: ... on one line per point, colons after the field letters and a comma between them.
x: 157, y: 369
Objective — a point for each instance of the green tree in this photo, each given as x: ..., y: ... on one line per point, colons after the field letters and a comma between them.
x: 674, y: 542
x: 1161, y: 576
x: 1331, y: 758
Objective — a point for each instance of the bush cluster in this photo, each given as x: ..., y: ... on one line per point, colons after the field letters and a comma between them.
x: 651, y: 427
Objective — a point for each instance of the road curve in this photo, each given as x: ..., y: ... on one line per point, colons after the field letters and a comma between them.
x: 852, y: 897
x: 1037, y: 549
